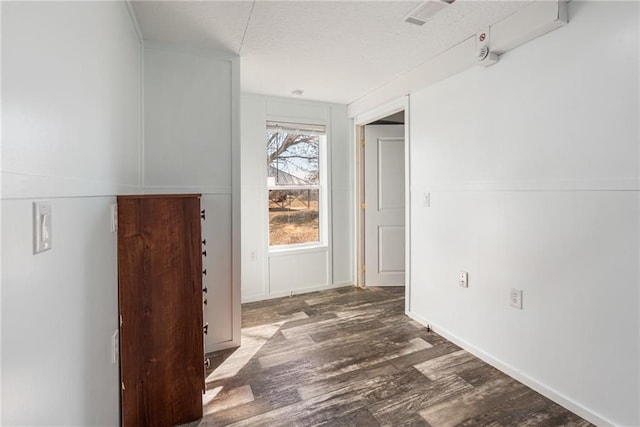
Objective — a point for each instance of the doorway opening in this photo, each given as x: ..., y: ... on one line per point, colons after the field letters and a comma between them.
x: 382, y: 236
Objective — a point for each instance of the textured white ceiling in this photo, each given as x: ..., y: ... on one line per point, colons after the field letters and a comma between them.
x: 337, y: 51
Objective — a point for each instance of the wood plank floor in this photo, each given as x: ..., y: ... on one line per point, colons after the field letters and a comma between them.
x: 350, y: 357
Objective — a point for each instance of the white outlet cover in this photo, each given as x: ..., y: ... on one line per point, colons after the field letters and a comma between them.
x: 515, y: 298
x: 426, y: 200
x: 463, y: 279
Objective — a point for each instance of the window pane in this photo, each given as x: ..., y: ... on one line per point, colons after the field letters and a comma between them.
x: 294, y: 182
x: 293, y: 217
x: 292, y: 158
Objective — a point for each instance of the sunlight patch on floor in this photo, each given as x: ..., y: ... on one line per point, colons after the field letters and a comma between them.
x: 252, y: 340
x: 210, y: 395
x: 230, y: 399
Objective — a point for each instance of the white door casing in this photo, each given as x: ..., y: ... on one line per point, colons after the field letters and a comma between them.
x: 384, y: 214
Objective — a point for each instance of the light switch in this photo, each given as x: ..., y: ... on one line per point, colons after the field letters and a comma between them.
x: 115, y: 347
x: 41, y: 226
x: 114, y: 218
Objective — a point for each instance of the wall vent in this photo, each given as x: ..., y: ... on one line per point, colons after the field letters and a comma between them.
x: 425, y: 11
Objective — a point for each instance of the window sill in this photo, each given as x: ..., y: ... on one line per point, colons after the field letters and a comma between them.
x: 297, y: 249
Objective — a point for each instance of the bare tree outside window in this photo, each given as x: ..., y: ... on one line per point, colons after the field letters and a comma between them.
x: 293, y: 171
x: 294, y: 154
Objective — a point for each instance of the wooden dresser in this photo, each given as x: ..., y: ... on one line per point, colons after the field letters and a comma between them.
x: 161, y: 307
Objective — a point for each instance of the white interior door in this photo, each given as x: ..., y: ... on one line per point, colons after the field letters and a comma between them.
x: 384, y: 200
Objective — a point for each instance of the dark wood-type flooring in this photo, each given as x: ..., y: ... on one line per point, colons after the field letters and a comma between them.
x: 350, y: 357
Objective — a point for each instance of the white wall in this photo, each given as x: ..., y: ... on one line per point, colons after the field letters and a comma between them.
x: 279, y: 273
x: 192, y: 146
x: 532, y: 166
x: 71, y: 134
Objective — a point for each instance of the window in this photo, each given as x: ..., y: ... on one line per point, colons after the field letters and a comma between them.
x: 295, y: 178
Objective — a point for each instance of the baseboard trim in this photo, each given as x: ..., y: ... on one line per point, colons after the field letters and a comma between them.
x: 290, y: 292
x: 544, y: 390
x: 222, y: 346
x: 386, y: 286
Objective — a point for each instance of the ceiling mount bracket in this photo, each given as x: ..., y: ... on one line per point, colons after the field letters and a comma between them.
x: 484, y: 55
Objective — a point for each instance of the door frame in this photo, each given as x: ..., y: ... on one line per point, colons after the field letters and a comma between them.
x: 400, y: 104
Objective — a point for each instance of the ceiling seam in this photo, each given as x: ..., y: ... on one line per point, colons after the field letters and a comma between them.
x: 409, y: 70
x: 246, y: 27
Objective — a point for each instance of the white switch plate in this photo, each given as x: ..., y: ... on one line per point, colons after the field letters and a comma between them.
x: 515, y: 298
x: 426, y: 202
x: 114, y: 218
x: 115, y: 346
x: 463, y: 279
x: 41, y: 226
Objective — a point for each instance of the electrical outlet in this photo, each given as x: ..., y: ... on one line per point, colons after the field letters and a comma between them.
x: 463, y: 279
x: 516, y: 298
x: 253, y: 255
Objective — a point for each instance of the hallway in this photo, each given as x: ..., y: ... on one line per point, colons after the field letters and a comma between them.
x: 350, y: 356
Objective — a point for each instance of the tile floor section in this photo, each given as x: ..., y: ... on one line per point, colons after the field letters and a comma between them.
x: 350, y: 357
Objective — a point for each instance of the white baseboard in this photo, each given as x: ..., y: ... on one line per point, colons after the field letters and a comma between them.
x: 222, y: 346
x: 544, y: 390
x: 385, y: 286
x: 290, y: 292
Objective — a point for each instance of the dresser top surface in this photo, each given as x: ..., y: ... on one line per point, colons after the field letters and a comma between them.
x: 158, y: 196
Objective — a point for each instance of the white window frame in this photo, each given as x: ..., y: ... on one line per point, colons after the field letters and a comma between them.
x: 322, y: 188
